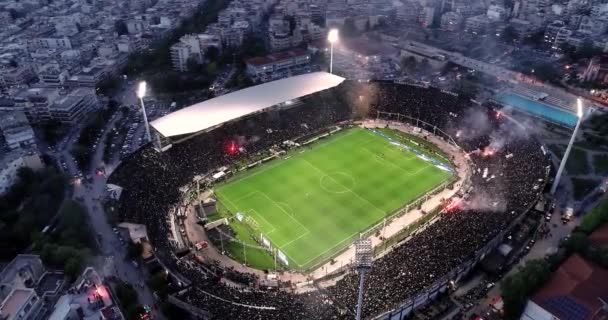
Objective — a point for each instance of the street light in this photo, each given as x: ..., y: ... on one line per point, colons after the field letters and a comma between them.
x: 141, y: 93
x: 332, y: 37
x: 579, y: 113
x: 363, y: 262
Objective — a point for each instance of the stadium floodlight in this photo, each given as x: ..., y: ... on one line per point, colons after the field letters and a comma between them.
x: 580, y: 114
x: 363, y: 262
x: 141, y: 93
x: 332, y: 37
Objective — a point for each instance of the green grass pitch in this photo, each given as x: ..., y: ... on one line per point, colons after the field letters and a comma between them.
x: 317, y: 200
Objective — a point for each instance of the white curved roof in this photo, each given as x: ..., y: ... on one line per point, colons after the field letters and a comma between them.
x: 216, y: 111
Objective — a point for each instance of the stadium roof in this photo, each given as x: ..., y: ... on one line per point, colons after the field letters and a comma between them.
x: 213, y: 112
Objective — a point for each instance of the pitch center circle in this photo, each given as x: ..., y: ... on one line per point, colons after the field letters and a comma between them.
x: 337, y: 182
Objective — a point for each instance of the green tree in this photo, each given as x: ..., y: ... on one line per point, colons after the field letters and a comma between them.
x: 173, y: 312
x: 509, y: 35
x: 193, y: 65
x: 126, y: 294
x: 120, y: 27
x: 595, y: 218
x: 53, y: 131
x: 349, y: 29
x: 211, y: 69
x: 73, y: 267
x: 577, y: 243
x: 73, y: 227
x: 535, y: 39
x: 134, y: 250
x: 587, y: 50
x: 518, y: 287
x: 212, y: 54
x: 159, y: 283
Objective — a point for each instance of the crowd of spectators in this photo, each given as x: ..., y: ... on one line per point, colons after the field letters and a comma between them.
x: 506, y: 182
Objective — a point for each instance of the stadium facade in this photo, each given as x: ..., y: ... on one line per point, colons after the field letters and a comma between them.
x: 407, y: 277
x: 210, y: 114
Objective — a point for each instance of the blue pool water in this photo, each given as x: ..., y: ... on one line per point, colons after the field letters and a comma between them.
x: 538, y: 108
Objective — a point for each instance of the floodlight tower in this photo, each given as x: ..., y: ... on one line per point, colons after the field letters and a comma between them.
x: 363, y: 262
x: 141, y: 93
x: 562, y: 164
x: 332, y: 37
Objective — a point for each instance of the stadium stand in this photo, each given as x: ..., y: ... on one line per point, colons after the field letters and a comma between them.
x: 400, y: 280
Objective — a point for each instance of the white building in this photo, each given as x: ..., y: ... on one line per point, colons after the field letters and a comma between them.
x: 426, y: 16
x: 50, y: 43
x: 74, y: 106
x: 10, y: 163
x: 192, y: 47
x: 44, y: 104
x: 16, y: 129
x: 25, y: 286
x: 496, y: 13
x: 278, y: 65
x: 52, y: 75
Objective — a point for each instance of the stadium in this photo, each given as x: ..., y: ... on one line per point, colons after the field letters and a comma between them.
x: 284, y: 177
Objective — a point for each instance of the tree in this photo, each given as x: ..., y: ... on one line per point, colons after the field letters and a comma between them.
x: 53, y: 131
x: 126, y: 294
x: 211, y: 69
x: 73, y: 267
x: 509, y: 35
x: 159, y: 283
x: 535, y: 39
x: 587, y: 50
x: 82, y: 156
x: 73, y: 227
x: 349, y: 29
x: 518, y: 287
x: 212, y: 54
x: 173, y: 312
x: 134, y: 250
x: 595, y: 218
x: 193, y: 65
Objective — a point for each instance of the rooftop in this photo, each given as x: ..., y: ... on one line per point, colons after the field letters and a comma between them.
x: 574, y: 290
x: 600, y: 236
x: 214, y: 112
x: 278, y: 56
x: 14, y: 302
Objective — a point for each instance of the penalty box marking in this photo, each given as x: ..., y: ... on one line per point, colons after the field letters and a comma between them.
x: 274, y: 228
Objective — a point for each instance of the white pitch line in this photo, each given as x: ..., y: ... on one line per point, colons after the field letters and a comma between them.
x: 343, y: 186
x: 261, y: 217
x: 326, y: 251
x: 278, y: 206
x: 294, y: 240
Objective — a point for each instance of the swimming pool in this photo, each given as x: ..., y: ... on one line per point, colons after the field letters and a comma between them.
x: 538, y: 108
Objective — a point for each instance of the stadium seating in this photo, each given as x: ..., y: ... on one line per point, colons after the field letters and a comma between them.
x: 151, y: 183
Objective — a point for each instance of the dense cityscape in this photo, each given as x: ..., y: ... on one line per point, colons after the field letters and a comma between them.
x: 304, y: 159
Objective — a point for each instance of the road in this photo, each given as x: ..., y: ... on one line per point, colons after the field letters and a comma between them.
x: 89, y: 192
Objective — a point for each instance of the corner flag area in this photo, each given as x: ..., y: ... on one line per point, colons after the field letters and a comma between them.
x: 314, y: 202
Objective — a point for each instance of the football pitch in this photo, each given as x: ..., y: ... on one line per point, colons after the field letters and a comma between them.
x: 316, y: 201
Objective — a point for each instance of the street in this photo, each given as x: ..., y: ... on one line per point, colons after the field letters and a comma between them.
x: 89, y: 190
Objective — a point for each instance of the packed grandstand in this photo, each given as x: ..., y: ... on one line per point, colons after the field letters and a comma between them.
x: 509, y: 172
